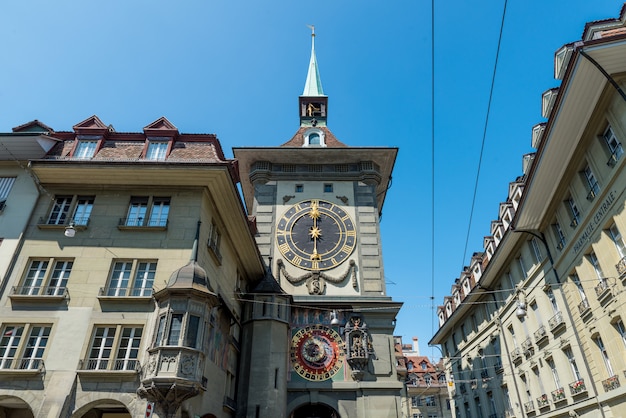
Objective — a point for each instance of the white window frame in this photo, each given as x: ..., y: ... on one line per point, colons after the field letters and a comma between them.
x: 157, y: 149
x: 114, y: 347
x: 559, y: 235
x: 534, y: 245
x: 573, y: 211
x: 614, y: 146
x: 595, y: 263
x: 40, y: 280
x: 138, y: 214
x: 17, y: 352
x: 569, y: 354
x: 605, y: 355
x: 593, y: 186
x: 85, y: 149
x: 134, y: 278
x: 616, y: 236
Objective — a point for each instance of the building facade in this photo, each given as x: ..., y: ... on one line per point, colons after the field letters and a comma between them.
x: 124, y: 291
x: 317, y: 205
x: 535, y: 325
x: 426, y: 385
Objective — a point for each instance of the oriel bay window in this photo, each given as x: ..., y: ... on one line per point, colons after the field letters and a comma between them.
x: 179, y: 329
x: 22, y: 346
x: 40, y: 280
x: 138, y: 214
x: 131, y: 278
x: 114, y: 347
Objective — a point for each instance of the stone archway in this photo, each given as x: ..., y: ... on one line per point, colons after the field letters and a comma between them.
x: 314, y: 411
x: 14, y: 407
x: 103, y: 409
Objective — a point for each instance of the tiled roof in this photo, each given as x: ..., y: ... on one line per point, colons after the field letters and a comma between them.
x: 298, y: 139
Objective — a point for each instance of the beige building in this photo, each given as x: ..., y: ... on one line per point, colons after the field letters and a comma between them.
x: 125, y: 292
x: 425, y: 383
x: 535, y: 325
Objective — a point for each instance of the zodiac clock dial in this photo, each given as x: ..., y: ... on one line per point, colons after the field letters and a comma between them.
x: 316, y: 352
x: 315, y: 235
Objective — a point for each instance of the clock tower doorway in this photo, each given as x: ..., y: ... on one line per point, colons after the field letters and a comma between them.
x: 315, y: 411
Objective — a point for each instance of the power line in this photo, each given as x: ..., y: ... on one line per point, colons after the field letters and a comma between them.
x: 482, y: 146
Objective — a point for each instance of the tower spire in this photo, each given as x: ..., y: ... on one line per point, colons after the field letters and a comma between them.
x: 313, y: 85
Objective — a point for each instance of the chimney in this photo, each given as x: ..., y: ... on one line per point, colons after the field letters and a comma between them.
x: 416, y: 347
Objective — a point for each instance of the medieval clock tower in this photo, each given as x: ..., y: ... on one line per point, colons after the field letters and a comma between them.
x: 317, y: 203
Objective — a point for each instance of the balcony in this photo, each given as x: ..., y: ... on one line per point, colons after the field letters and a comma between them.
x: 556, y: 322
x: 473, y: 384
x: 602, y: 289
x: 142, y: 224
x: 541, y: 335
x: 104, y: 365
x: 527, y: 346
x: 583, y: 307
x: 516, y: 354
x: 543, y: 401
x: 615, y: 155
x: 577, y: 387
x: 529, y: 406
x: 611, y: 383
x: 125, y: 294
x: 22, y: 366
x: 621, y: 268
x: 558, y: 395
x: 509, y: 413
x: 39, y: 293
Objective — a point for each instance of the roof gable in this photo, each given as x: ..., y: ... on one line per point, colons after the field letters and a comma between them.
x: 161, y: 127
x: 92, y: 126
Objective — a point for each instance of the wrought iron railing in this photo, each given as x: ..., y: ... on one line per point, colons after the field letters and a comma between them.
x: 556, y: 321
x: 558, y: 395
x: 611, y: 383
x: 577, y: 386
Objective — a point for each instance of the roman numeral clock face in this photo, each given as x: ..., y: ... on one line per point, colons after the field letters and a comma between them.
x: 315, y: 235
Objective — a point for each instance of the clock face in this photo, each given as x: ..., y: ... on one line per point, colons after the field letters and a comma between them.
x: 317, y: 352
x: 315, y: 235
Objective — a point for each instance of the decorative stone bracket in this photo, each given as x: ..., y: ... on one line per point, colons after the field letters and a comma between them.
x: 316, y: 280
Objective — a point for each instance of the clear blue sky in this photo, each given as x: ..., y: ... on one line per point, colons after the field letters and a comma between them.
x: 236, y: 68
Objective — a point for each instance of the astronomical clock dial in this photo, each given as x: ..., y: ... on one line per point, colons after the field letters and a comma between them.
x: 317, y: 352
x: 315, y: 235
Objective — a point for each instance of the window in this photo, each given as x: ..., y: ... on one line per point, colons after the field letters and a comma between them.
x: 138, y: 209
x: 328, y: 188
x: 615, y: 147
x: 593, y: 259
x: 314, y: 139
x: 415, y: 401
x: 428, y: 380
x: 423, y: 365
x: 574, y: 212
x: 179, y: 329
x: 84, y: 205
x: 430, y: 401
x: 299, y: 188
x: 605, y: 355
x: 559, y: 235
x: 592, y: 183
x: 522, y: 266
x: 19, y: 353
x: 124, y: 341
x: 555, y: 374
x: 63, y: 205
x: 536, y: 250
x: 157, y: 150
x: 572, y: 362
x: 214, y: 242
x: 85, y: 149
x: 409, y: 366
x: 120, y: 283
x: 39, y: 281
x: 616, y: 236
x: 6, y: 183
x: 552, y: 299
x: 60, y: 210
x: 619, y: 326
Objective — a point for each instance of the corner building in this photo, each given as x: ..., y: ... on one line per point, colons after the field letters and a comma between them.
x: 535, y: 325
x: 317, y: 205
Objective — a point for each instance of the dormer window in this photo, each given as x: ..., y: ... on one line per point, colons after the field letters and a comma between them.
x: 86, y: 147
x: 314, y: 138
x: 157, y: 150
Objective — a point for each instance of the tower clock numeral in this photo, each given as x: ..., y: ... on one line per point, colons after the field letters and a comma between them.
x: 346, y: 249
x: 297, y: 260
x: 351, y: 233
x: 284, y: 248
x: 315, y: 265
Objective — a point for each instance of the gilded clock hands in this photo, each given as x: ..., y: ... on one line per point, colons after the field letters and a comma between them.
x: 315, y: 232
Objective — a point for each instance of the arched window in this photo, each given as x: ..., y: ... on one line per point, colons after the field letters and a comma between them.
x: 314, y: 139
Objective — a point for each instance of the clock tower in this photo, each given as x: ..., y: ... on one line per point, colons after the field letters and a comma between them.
x: 317, y: 204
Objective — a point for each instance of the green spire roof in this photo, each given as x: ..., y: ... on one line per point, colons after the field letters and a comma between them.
x: 313, y: 85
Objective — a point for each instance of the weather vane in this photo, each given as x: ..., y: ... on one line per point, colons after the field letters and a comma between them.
x: 312, y: 29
